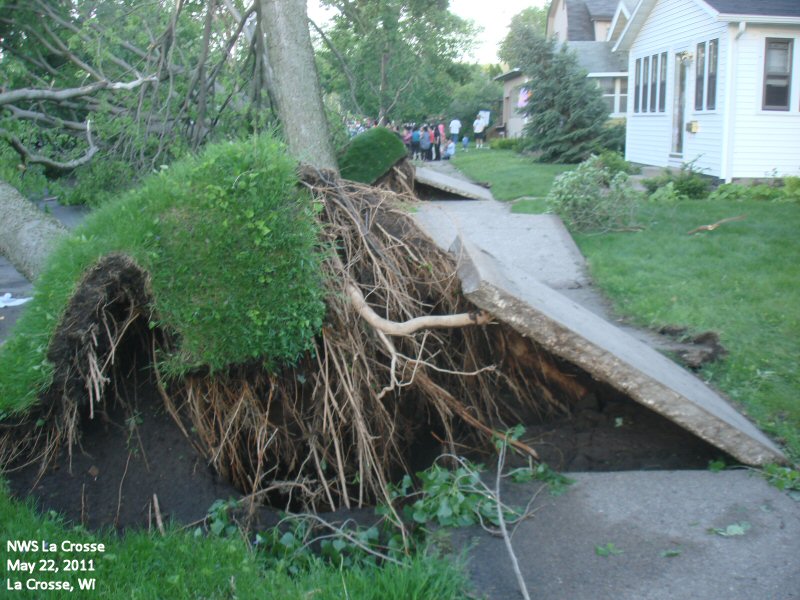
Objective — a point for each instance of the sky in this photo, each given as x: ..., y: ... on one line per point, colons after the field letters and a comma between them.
x: 494, y: 17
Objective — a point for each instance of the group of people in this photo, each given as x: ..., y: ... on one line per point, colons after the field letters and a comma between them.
x: 429, y: 142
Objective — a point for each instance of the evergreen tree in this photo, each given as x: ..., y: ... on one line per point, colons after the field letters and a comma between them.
x: 565, y: 111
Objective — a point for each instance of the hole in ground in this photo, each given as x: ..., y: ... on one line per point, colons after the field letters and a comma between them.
x: 134, y: 450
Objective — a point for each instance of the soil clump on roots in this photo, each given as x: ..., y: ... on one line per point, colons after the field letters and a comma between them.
x: 404, y: 368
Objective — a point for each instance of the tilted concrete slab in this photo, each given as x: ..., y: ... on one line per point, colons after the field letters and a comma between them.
x: 451, y: 185
x: 572, y: 332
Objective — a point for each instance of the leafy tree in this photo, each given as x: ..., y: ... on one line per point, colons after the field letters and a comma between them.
x: 481, y: 92
x: 392, y: 59
x: 566, y: 113
x: 134, y: 83
x: 530, y: 21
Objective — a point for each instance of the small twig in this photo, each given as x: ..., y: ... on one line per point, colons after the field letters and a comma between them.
x: 514, y: 563
x: 159, y: 521
x: 83, y: 504
x: 119, y: 492
x: 713, y: 226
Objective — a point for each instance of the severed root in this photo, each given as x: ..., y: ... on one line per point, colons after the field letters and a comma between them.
x: 413, y: 325
x: 713, y: 226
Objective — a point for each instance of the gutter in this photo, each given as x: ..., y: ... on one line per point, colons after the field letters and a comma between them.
x: 729, y: 133
x: 758, y: 19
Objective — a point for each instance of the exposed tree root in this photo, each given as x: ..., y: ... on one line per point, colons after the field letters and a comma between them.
x: 402, y: 357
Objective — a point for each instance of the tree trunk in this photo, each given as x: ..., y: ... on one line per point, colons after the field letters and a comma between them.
x: 27, y: 234
x: 298, y: 97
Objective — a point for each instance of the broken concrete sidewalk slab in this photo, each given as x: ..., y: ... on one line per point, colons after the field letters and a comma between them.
x: 451, y: 185
x: 539, y: 245
x: 573, y: 333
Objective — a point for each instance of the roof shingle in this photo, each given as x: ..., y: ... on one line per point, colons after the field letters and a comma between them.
x: 771, y: 8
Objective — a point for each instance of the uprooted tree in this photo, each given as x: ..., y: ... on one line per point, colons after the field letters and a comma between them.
x: 308, y: 372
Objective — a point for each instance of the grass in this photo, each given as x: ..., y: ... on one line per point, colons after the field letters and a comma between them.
x: 181, y: 565
x: 739, y: 280
x: 511, y: 174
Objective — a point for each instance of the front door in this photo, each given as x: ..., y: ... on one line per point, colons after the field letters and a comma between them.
x: 679, y: 104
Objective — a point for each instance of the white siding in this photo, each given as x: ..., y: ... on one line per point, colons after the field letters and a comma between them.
x: 764, y: 141
x: 674, y: 26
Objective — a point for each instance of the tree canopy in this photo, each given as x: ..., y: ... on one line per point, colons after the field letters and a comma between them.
x: 566, y: 113
x: 392, y: 59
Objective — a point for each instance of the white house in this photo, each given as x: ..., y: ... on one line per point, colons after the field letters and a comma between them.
x: 715, y: 83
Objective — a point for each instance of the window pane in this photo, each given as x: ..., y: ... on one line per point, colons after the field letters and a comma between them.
x: 777, y: 74
x: 636, y: 87
x: 623, y: 85
x: 609, y: 100
x: 662, y: 86
x: 606, y: 84
x: 645, y: 78
x: 711, y: 91
x: 653, y: 82
x: 623, y: 104
x: 778, y: 57
x: 700, y: 70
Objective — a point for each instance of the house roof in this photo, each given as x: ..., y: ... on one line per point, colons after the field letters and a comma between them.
x: 601, y: 9
x: 766, y: 8
x: 579, y: 23
x: 513, y: 73
x: 757, y: 11
x: 597, y: 57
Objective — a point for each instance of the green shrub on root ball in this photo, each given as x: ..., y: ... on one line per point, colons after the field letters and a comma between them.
x: 229, y: 242
x: 370, y: 155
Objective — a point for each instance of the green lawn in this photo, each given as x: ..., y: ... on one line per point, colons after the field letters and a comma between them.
x: 182, y: 565
x: 741, y: 280
x: 511, y: 174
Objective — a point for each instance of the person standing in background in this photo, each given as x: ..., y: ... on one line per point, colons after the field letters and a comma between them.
x: 479, y: 127
x: 455, y: 129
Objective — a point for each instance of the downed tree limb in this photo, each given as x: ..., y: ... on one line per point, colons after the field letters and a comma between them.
x: 27, y: 234
x: 713, y: 226
x: 479, y: 317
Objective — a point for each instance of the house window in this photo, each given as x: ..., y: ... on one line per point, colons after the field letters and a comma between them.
x: 777, y: 74
x: 623, y: 94
x: 636, y: 90
x: 711, y: 90
x: 662, y: 85
x: 653, y: 82
x: 645, y: 78
x: 705, y: 87
x: 700, y: 76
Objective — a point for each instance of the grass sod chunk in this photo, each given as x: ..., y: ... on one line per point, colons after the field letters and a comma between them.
x: 229, y: 244
x: 370, y: 155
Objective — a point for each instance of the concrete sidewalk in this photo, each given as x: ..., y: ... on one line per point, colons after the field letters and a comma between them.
x: 662, y: 522
x: 666, y: 530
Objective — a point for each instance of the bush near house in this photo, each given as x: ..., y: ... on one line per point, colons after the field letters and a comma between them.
x: 593, y: 198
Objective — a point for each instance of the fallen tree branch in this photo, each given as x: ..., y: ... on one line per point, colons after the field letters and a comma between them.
x: 30, y: 157
x: 713, y: 226
x: 502, y: 522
